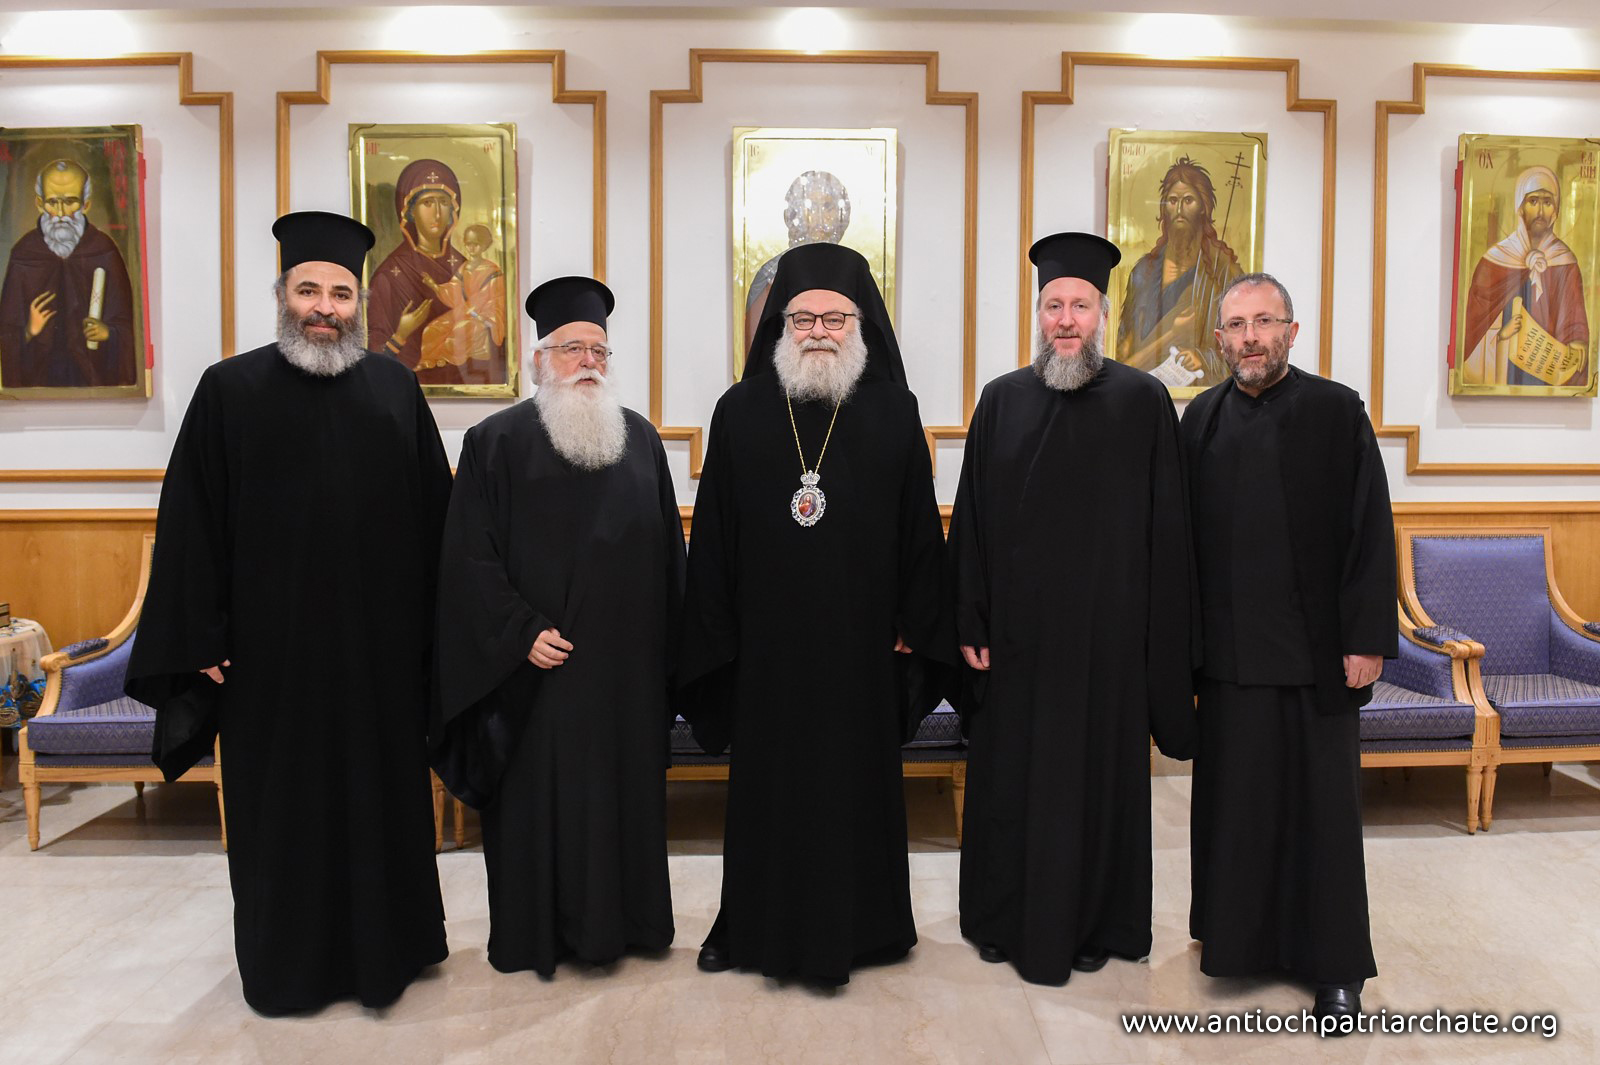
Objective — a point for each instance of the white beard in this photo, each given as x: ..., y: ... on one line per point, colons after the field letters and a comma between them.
x: 585, y: 423
x: 1068, y: 373
x: 820, y: 369
x: 62, y: 234
x: 321, y: 358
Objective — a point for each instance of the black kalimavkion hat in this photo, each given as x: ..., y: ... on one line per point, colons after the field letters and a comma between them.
x: 564, y: 300
x: 321, y: 237
x: 1075, y: 255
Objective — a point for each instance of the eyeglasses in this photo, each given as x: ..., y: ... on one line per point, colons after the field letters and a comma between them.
x: 804, y: 320
x: 1264, y: 323
x: 577, y: 349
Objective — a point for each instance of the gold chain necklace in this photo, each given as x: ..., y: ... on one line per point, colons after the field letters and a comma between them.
x: 808, y: 503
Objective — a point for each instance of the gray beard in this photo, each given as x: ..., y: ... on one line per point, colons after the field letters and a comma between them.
x: 1068, y: 373
x: 830, y: 374
x: 62, y: 234
x: 586, y: 425
x: 321, y: 358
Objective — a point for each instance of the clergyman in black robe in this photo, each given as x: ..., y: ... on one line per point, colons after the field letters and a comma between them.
x: 1295, y: 547
x: 290, y: 613
x: 1071, y: 548
x: 560, y: 582
x: 815, y: 556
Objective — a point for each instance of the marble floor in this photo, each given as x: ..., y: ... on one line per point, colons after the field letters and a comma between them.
x: 116, y: 947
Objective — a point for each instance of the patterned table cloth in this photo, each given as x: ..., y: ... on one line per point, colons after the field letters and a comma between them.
x: 22, y: 644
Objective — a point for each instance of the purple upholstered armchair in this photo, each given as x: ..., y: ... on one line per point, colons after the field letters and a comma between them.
x: 1428, y: 708
x: 86, y: 730
x: 1495, y: 587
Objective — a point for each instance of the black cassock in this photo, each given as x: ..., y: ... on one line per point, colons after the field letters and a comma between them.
x: 1294, y: 540
x: 298, y: 537
x: 567, y: 764
x: 1072, y: 553
x: 788, y: 652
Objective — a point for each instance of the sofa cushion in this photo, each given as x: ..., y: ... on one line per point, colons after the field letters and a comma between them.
x: 681, y: 740
x: 120, y: 726
x: 942, y: 728
x: 1543, y: 704
x: 1397, y: 713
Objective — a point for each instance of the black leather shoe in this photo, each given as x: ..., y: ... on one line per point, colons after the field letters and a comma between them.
x: 991, y: 953
x: 713, y: 960
x: 1337, y: 1000
x: 1092, y: 960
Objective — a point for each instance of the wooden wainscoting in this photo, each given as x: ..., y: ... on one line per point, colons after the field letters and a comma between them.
x: 1574, y: 529
x: 74, y: 571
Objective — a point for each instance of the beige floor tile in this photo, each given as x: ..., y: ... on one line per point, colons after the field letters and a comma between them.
x: 118, y: 948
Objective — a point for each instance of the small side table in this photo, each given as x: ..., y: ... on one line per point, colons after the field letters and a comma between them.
x: 22, y: 644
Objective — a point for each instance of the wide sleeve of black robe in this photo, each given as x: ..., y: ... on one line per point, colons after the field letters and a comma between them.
x: 1172, y: 648
x: 926, y: 622
x: 969, y: 574
x: 709, y: 634
x: 1367, y: 576
x: 485, y: 632
x: 677, y: 562
x: 183, y: 624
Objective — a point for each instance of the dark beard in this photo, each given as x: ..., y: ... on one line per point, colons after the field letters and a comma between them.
x: 1270, y: 372
x: 321, y: 358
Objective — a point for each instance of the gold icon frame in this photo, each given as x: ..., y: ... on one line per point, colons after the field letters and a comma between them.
x: 483, y: 158
x: 1138, y: 161
x: 767, y: 161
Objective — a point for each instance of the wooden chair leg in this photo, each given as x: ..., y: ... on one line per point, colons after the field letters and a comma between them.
x: 461, y: 824
x: 1547, y: 767
x: 958, y: 791
x: 30, y: 799
x: 1474, y: 796
x: 1405, y: 773
x: 438, y: 815
x: 222, y: 814
x: 138, y: 789
x: 1489, y: 774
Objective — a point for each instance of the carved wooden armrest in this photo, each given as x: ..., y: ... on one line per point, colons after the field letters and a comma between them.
x: 74, y: 653
x: 1441, y: 638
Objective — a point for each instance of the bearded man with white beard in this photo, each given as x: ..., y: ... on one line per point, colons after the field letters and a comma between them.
x: 1071, y: 546
x: 289, y: 616
x: 49, y: 337
x: 815, y: 630
x: 1295, y: 542
x: 560, y: 583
